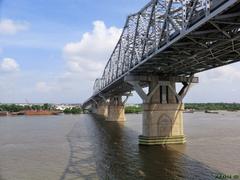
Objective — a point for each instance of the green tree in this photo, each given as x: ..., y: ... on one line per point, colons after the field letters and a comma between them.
x: 46, y: 106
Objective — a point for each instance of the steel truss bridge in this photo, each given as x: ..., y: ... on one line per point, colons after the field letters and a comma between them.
x: 172, y: 38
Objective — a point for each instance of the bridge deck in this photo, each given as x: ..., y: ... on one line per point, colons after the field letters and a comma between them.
x: 208, y: 41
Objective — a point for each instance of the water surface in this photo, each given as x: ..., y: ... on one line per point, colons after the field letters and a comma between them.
x: 87, y: 147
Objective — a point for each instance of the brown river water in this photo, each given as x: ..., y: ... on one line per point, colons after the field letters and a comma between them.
x: 68, y: 147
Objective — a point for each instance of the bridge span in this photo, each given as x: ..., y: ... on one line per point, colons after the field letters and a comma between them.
x: 166, y: 42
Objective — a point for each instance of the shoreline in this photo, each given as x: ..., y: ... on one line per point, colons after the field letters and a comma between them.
x: 55, y: 113
x: 30, y: 113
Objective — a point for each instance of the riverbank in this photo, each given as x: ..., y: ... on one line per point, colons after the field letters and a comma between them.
x: 31, y: 110
x: 29, y: 113
x: 213, y: 106
x: 195, y: 107
x: 47, y: 109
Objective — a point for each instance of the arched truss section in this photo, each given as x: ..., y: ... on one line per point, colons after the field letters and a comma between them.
x: 97, y: 85
x: 146, y: 31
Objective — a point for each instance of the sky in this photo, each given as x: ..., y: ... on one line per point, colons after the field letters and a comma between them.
x: 52, y: 51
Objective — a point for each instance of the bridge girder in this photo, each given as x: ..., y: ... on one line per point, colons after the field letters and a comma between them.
x: 173, y: 38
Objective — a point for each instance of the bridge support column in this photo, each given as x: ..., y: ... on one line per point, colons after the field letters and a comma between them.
x: 162, y: 124
x: 116, y: 111
x: 93, y: 108
x: 162, y: 112
x: 102, y: 109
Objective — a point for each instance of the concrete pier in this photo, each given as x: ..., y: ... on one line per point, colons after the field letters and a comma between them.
x: 162, y: 124
x: 102, y: 109
x: 116, y: 111
x: 162, y: 116
x: 162, y: 111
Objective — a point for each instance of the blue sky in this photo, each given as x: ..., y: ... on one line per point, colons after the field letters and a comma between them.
x: 51, y: 51
x: 52, y: 24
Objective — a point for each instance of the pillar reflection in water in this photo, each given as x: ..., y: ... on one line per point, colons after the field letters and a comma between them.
x: 109, y: 150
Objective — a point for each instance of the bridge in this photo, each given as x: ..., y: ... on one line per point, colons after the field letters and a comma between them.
x: 165, y: 43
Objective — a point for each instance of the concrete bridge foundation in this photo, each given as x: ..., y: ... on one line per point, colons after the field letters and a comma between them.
x: 162, y: 112
x: 162, y: 124
x: 102, y: 109
x: 116, y: 111
x: 93, y: 108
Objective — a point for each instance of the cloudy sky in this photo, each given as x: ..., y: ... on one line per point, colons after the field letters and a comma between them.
x: 52, y: 51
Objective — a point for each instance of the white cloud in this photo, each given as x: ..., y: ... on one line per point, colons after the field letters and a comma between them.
x: 217, y: 85
x: 225, y: 73
x: 89, y: 55
x: 43, y: 87
x: 85, y: 60
x: 10, y: 27
x: 9, y: 65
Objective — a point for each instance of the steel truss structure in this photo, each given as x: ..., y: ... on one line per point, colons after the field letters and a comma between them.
x: 173, y: 38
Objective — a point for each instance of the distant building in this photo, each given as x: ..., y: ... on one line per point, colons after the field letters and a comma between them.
x: 62, y: 107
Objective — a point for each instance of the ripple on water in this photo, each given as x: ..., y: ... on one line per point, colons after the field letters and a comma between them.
x: 112, y: 152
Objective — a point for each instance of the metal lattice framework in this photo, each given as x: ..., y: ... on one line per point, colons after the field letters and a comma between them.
x: 175, y: 37
x: 145, y: 31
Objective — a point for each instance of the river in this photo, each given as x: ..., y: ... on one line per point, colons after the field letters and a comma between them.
x: 85, y: 147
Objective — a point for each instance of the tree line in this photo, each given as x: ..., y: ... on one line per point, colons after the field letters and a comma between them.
x: 44, y: 107
x: 18, y: 108
x: 195, y: 106
x: 128, y: 109
x: 213, y: 106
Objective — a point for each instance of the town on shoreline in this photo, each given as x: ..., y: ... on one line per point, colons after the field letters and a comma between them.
x: 55, y: 109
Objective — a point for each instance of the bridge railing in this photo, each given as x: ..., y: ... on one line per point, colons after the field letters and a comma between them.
x: 145, y: 32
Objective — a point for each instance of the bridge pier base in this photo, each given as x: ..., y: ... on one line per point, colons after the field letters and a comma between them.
x: 93, y: 108
x: 102, y: 109
x: 116, y: 110
x: 162, y: 124
x: 162, y: 110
